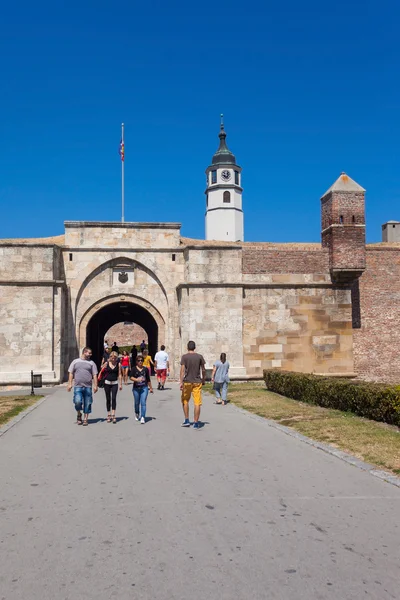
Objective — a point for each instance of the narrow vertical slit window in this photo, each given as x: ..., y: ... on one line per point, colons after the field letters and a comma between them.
x: 341, y: 219
x: 237, y: 177
x: 227, y: 197
x: 213, y: 176
x: 70, y: 256
x: 173, y: 257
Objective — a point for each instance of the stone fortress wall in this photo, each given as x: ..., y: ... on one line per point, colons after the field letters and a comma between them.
x: 126, y: 334
x: 329, y: 308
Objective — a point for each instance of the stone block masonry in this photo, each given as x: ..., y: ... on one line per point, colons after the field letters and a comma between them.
x: 329, y: 308
x: 302, y: 329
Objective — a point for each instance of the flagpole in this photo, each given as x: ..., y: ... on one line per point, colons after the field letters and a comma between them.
x: 123, y: 175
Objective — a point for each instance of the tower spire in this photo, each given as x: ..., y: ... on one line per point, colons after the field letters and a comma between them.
x: 223, y: 155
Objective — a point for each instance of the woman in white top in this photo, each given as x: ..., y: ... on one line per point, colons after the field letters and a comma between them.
x: 220, y: 378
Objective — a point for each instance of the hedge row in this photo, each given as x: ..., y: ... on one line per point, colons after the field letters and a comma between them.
x: 376, y: 401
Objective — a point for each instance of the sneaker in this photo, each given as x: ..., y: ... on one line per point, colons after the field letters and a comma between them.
x: 162, y: 387
x: 186, y: 423
x: 142, y: 420
x: 159, y: 386
x: 196, y: 425
x: 136, y: 417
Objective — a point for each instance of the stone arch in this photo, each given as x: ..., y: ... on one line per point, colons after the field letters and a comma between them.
x: 111, y: 307
x: 91, y: 272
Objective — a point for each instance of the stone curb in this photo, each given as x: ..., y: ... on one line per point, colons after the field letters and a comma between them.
x: 349, y: 458
x: 22, y: 415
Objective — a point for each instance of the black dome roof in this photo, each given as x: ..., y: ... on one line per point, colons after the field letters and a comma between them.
x: 223, y: 155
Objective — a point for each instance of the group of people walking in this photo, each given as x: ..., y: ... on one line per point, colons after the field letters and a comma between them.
x: 84, y: 377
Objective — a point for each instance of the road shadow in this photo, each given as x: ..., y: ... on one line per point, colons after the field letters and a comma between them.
x: 148, y: 419
x: 201, y: 424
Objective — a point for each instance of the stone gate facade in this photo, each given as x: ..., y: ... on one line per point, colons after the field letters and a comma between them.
x: 330, y: 308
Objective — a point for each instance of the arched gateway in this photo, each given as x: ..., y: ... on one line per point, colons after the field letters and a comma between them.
x: 114, y: 309
x: 285, y: 306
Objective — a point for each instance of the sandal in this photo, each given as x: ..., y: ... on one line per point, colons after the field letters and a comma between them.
x: 79, y: 418
x: 108, y: 418
x: 85, y: 423
x: 114, y: 419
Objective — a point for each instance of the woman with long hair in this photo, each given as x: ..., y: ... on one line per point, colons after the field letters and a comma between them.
x: 147, y: 360
x: 220, y: 379
x: 140, y: 376
x: 125, y: 366
x: 112, y: 376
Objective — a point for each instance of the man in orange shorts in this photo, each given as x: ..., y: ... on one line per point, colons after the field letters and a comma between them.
x: 192, y: 377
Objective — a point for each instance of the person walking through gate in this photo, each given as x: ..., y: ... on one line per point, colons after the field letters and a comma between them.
x: 82, y: 373
x: 220, y: 378
x: 112, y: 374
x: 147, y: 361
x: 141, y: 387
x: 142, y: 346
x: 125, y: 364
x: 192, y: 378
x: 106, y: 356
x: 161, y: 361
x: 133, y: 356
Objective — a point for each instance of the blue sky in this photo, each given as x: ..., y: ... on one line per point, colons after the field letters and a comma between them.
x: 308, y: 89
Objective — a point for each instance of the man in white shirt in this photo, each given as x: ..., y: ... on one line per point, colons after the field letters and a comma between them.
x: 161, y: 361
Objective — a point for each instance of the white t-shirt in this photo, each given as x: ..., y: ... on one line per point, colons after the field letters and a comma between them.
x: 161, y: 359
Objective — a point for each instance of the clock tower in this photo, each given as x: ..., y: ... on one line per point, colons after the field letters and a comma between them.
x: 224, y: 214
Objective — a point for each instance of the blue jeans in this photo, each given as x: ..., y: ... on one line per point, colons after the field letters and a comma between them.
x: 140, y: 395
x: 221, y: 390
x: 83, y: 399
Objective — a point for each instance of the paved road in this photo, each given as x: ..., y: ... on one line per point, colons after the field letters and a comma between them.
x: 237, y: 510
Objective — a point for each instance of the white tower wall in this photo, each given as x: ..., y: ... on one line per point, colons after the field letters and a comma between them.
x: 224, y: 214
x: 224, y: 225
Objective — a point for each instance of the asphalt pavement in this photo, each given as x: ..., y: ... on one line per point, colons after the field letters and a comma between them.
x: 234, y: 511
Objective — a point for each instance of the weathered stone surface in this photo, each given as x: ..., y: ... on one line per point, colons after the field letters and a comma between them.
x: 265, y: 305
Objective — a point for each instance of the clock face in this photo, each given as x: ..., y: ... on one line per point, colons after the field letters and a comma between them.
x: 225, y: 175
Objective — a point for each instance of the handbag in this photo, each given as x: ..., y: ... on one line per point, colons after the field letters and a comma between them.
x: 101, y: 377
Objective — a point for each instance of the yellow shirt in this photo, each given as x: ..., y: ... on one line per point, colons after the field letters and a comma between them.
x: 147, y: 361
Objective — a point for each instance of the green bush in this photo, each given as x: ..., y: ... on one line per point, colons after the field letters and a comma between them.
x: 377, y: 401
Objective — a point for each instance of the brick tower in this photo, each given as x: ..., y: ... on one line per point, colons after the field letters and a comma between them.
x: 343, y: 229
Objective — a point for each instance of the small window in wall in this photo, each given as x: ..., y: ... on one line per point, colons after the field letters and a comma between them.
x: 227, y: 197
x: 70, y: 256
x: 173, y: 257
x: 341, y: 219
x: 237, y: 177
x: 353, y: 219
x: 207, y: 200
x: 213, y: 176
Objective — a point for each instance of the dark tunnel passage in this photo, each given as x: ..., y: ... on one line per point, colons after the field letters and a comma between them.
x: 114, y: 313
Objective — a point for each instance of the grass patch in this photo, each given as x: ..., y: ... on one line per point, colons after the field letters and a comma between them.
x: 11, y: 406
x: 374, y: 442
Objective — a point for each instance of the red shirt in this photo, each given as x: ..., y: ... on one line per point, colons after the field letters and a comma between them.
x: 125, y: 361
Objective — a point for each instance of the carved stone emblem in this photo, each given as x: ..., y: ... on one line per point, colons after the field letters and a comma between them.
x: 123, y: 277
